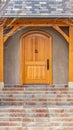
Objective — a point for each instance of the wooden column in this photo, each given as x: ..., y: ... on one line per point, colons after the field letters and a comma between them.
x: 71, y: 56
x: 1, y: 58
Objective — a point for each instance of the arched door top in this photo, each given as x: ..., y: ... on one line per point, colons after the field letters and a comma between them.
x: 36, y: 58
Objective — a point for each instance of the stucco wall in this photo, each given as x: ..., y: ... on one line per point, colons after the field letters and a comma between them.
x: 12, y: 57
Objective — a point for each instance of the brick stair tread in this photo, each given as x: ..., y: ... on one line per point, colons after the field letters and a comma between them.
x: 36, y: 96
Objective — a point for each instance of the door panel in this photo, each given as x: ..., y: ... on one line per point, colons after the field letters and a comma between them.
x: 36, y: 52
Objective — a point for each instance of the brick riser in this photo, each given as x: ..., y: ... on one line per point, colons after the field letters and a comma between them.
x: 52, y: 108
x: 36, y: 119
x: 36, y: 97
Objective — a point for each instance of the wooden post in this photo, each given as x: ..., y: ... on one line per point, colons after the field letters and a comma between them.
x: 71, y: 56
x: 1, y: 58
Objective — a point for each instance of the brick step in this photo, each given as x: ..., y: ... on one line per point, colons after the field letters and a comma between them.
x: 37, y: 128
x: 36, y: 93
x: 36, y: 119
x: 24, y: 91
x: 37, y: 100
x: 36, y: 103
x: 36, y: 96
x: 38, y: 88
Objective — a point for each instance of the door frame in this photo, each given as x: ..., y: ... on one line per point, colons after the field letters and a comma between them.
x: 22, y: 54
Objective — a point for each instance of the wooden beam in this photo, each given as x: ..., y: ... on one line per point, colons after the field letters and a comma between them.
x: 38, y: 22
x: 16, y: 23
x: 10, y: 23
x: 57, y: 28
x: 71, y: 54
x: 1, y: 57
x: 10, y: 33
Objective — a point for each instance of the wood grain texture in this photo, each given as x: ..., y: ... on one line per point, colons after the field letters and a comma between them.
x: 58, y: 29
x: 36, y: 22
x: 55, y: 23
x: 35, y: 50
x: 10, y: 33
x: 71, y: 54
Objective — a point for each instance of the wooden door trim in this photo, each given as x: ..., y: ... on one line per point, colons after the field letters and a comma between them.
x: 22, y: 53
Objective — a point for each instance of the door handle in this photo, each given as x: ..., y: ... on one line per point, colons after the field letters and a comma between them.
x: 47, y: 64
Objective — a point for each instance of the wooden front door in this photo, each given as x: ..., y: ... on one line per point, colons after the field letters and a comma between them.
x: 36, y: 59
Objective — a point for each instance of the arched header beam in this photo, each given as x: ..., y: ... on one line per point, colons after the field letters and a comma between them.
x: 55, y: 23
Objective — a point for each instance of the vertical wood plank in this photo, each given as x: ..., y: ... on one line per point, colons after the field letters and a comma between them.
x: 1, y: 56
x: 71, y: 54
x: 34, y: 68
